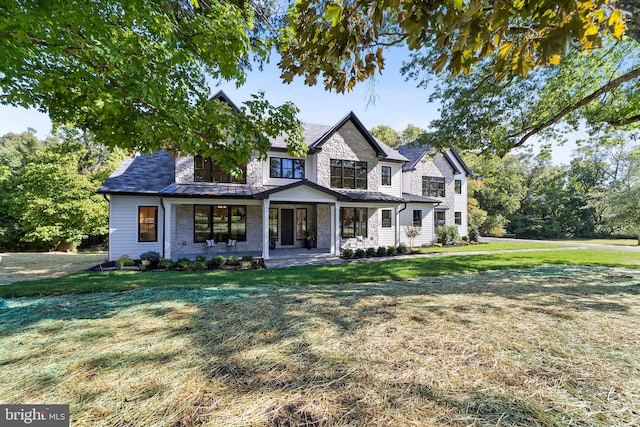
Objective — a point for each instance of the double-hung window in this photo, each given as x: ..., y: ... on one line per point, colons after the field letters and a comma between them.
x: 386, y: 218
x: 417, y: 218
x: 433, y: 186
x: 385, y: 175
x: 349, y: 174
x: 286, y: 168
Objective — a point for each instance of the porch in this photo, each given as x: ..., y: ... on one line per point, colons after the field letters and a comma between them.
x: 281, y: 257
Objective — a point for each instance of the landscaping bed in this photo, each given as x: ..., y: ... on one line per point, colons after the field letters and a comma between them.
x: 151, y: 261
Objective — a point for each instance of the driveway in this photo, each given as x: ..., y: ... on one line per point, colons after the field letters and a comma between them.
x: 575, y: 244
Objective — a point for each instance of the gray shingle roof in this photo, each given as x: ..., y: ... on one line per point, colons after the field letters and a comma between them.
x: 310, y: 132
x: 414, y: 153
x: 141, y: 174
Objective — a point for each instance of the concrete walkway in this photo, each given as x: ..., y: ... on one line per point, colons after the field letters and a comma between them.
x: 301, y: 259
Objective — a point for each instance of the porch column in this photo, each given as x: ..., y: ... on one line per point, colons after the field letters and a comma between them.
x: 397, y: 211
x: 166, y: 232
x: 335, y: 227
x: 265, y: 229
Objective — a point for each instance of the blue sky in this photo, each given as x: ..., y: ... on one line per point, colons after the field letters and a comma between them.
x: 396, y: 103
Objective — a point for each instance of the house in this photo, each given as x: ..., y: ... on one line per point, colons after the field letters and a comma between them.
x: 350, y: 190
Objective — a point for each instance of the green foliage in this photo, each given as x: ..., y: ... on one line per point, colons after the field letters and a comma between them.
x: 201, y: 258
x: 233, y: 261
x: 347, y: 253
x: 371, y: 252
x: 345, y: 42
x: 247, y: 258
x: 392, y: 251
x: 386, y: 134
x: 216, y: 262
x: 48, y: 200
x: 137, y: 74
x: 448, y: 234
x: 184, y: 263
x: 382, y: 251
x: 165, y: 263
x: 125, y: 261
x: 360, y: 253
x: 402, y: 249
x: 152, y: 256
x: 145, y: 264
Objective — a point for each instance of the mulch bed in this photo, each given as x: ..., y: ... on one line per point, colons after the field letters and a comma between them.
x: 258, y: 264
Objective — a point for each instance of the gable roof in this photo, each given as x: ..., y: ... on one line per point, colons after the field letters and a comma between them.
x: 141, y: 174
x: 303, y: 182
x: 415, y: 152
x: 221, y: 96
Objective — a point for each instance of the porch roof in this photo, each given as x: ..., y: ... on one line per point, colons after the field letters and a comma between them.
x: 242, y: 191
x: 414, y: 198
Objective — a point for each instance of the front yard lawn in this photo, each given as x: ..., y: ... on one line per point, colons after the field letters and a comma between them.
x: 16, y: 266
x: 399, y: 268
x: 547, y: 345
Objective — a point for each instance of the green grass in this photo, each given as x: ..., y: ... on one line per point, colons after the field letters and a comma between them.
x: 545, y: 346
x: 352, y: 272
x: 613, y: 242
x: 492, y: 246
x: 15, y: 266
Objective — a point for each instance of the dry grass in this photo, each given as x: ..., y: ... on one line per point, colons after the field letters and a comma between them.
x: 15, y: 267
x: 542, y: 346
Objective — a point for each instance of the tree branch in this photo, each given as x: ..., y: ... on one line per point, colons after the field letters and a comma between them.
x: 625, y: 121
x: 532, y: 130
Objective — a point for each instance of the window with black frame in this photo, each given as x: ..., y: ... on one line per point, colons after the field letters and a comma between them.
x: 220, y: 223
x: 147, y: 224
x: 348, y: 174
x: 385, y: 175
x: 353, y: 222
x: 417, y: 218
x: 206, y: 170
x: 433, y: 186
x: 286, y: 168
x: 386, y: 218
x: 439, y: 219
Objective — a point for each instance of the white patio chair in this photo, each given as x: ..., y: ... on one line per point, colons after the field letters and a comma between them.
x: 231, y: 244
x: 212, y: 244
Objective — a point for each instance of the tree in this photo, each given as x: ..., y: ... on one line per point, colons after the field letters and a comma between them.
x: 48, y: 201
x: 499, y: 43
x: 135, y: 74
x: 345, y: 42
x: 386, y: 134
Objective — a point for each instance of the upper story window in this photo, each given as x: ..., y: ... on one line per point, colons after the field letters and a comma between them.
x: 349, y: 174
x: 432, y: 186
x: 458, y: 218
x: 286, y: 168
x: 458, y: 186
x: 205, y: 170
x: 385, y: 175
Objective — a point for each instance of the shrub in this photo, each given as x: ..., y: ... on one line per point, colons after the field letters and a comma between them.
x: 392, y: 251
x: 247, y: 258
x: 144, y: 264
x: 360, y: 253
x: 184, y: 263
x: 371, y: 252
x: 233, y: 261
x: 402, y: 248
x: 382, y: 251
x: 245, y: 264
x: 448, y: 234
x: 152, y: 256
x: 216, y: 262
x: 474, y: 235
x: 124, y: 261
x: 347, y: 253
x: 465, y: 238
x: 165, y: 263
x: 412, y: 232
x: 201, y: 258
x: 198, y: 265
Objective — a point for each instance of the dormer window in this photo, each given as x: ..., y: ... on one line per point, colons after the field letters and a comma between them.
x: 205, y: 170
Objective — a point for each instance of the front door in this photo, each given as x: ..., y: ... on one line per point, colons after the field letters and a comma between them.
x: 287, y: 224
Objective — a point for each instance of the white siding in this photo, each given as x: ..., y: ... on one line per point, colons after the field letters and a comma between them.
x: 387, y: 236
x: 123, y: 226
x: 395, y: 189
x: 406, y: 218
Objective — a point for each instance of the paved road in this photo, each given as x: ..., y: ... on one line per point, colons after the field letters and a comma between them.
x: 573, y: 244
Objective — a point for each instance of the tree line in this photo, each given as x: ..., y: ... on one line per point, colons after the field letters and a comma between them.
x: 48, y: 186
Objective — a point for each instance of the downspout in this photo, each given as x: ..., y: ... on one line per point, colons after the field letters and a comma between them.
x: 104, y: 195
x: 164, y: 232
